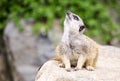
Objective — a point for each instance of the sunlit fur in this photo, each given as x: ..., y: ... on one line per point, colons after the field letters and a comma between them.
x: 75, y: 48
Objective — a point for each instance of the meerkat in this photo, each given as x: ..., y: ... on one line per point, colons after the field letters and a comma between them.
x: 76, y: 49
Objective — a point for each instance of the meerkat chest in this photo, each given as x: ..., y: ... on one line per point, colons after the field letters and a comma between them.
x: 78, y: 45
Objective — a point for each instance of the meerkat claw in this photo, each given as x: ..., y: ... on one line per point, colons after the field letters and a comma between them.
x: 61, y: 65
x: 76, y: 69
x: 68, y: 69
x: 90, y: 68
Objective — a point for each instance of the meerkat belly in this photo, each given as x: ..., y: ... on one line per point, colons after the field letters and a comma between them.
x: 75, y: 53
x: 73, y: 59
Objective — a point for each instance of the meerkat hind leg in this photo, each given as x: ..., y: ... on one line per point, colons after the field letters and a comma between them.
x: 90, y: 64
x: 94, y: 62
x: 61, y: 65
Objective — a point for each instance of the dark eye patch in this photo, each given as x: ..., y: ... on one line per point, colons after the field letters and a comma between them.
x: 75, y: 17
x: 81, y: 28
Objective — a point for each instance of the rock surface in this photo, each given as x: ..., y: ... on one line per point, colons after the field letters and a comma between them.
x: 108, y: 69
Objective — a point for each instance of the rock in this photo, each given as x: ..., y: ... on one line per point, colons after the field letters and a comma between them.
x: 108, y: 69
x: 29, y: 51
x: 56, y: 32
x: 115, y: 42
x: 45, y: 49
x: 23, y: 46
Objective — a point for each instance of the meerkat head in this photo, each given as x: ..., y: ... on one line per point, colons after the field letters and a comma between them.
x: 73, y: 22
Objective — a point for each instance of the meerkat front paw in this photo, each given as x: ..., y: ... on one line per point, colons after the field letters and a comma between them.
x: 68, y: 69
x: 61, y: 65
x: 90, y: 68
x: 76, y: 69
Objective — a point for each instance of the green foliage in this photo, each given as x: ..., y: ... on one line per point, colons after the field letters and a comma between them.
x: 93, y: 12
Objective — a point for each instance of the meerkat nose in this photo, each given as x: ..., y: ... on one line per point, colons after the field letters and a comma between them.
x: 68, y: 12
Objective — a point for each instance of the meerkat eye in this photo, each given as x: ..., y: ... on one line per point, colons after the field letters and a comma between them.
x: 75, y: 17
x: 81, y: 28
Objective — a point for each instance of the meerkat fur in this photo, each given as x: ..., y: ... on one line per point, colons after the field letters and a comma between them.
x: 76, y: 49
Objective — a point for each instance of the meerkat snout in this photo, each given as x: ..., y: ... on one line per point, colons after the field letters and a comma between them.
x: 68, y: 12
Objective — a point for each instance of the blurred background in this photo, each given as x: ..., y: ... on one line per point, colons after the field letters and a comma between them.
x: 31, y: 29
